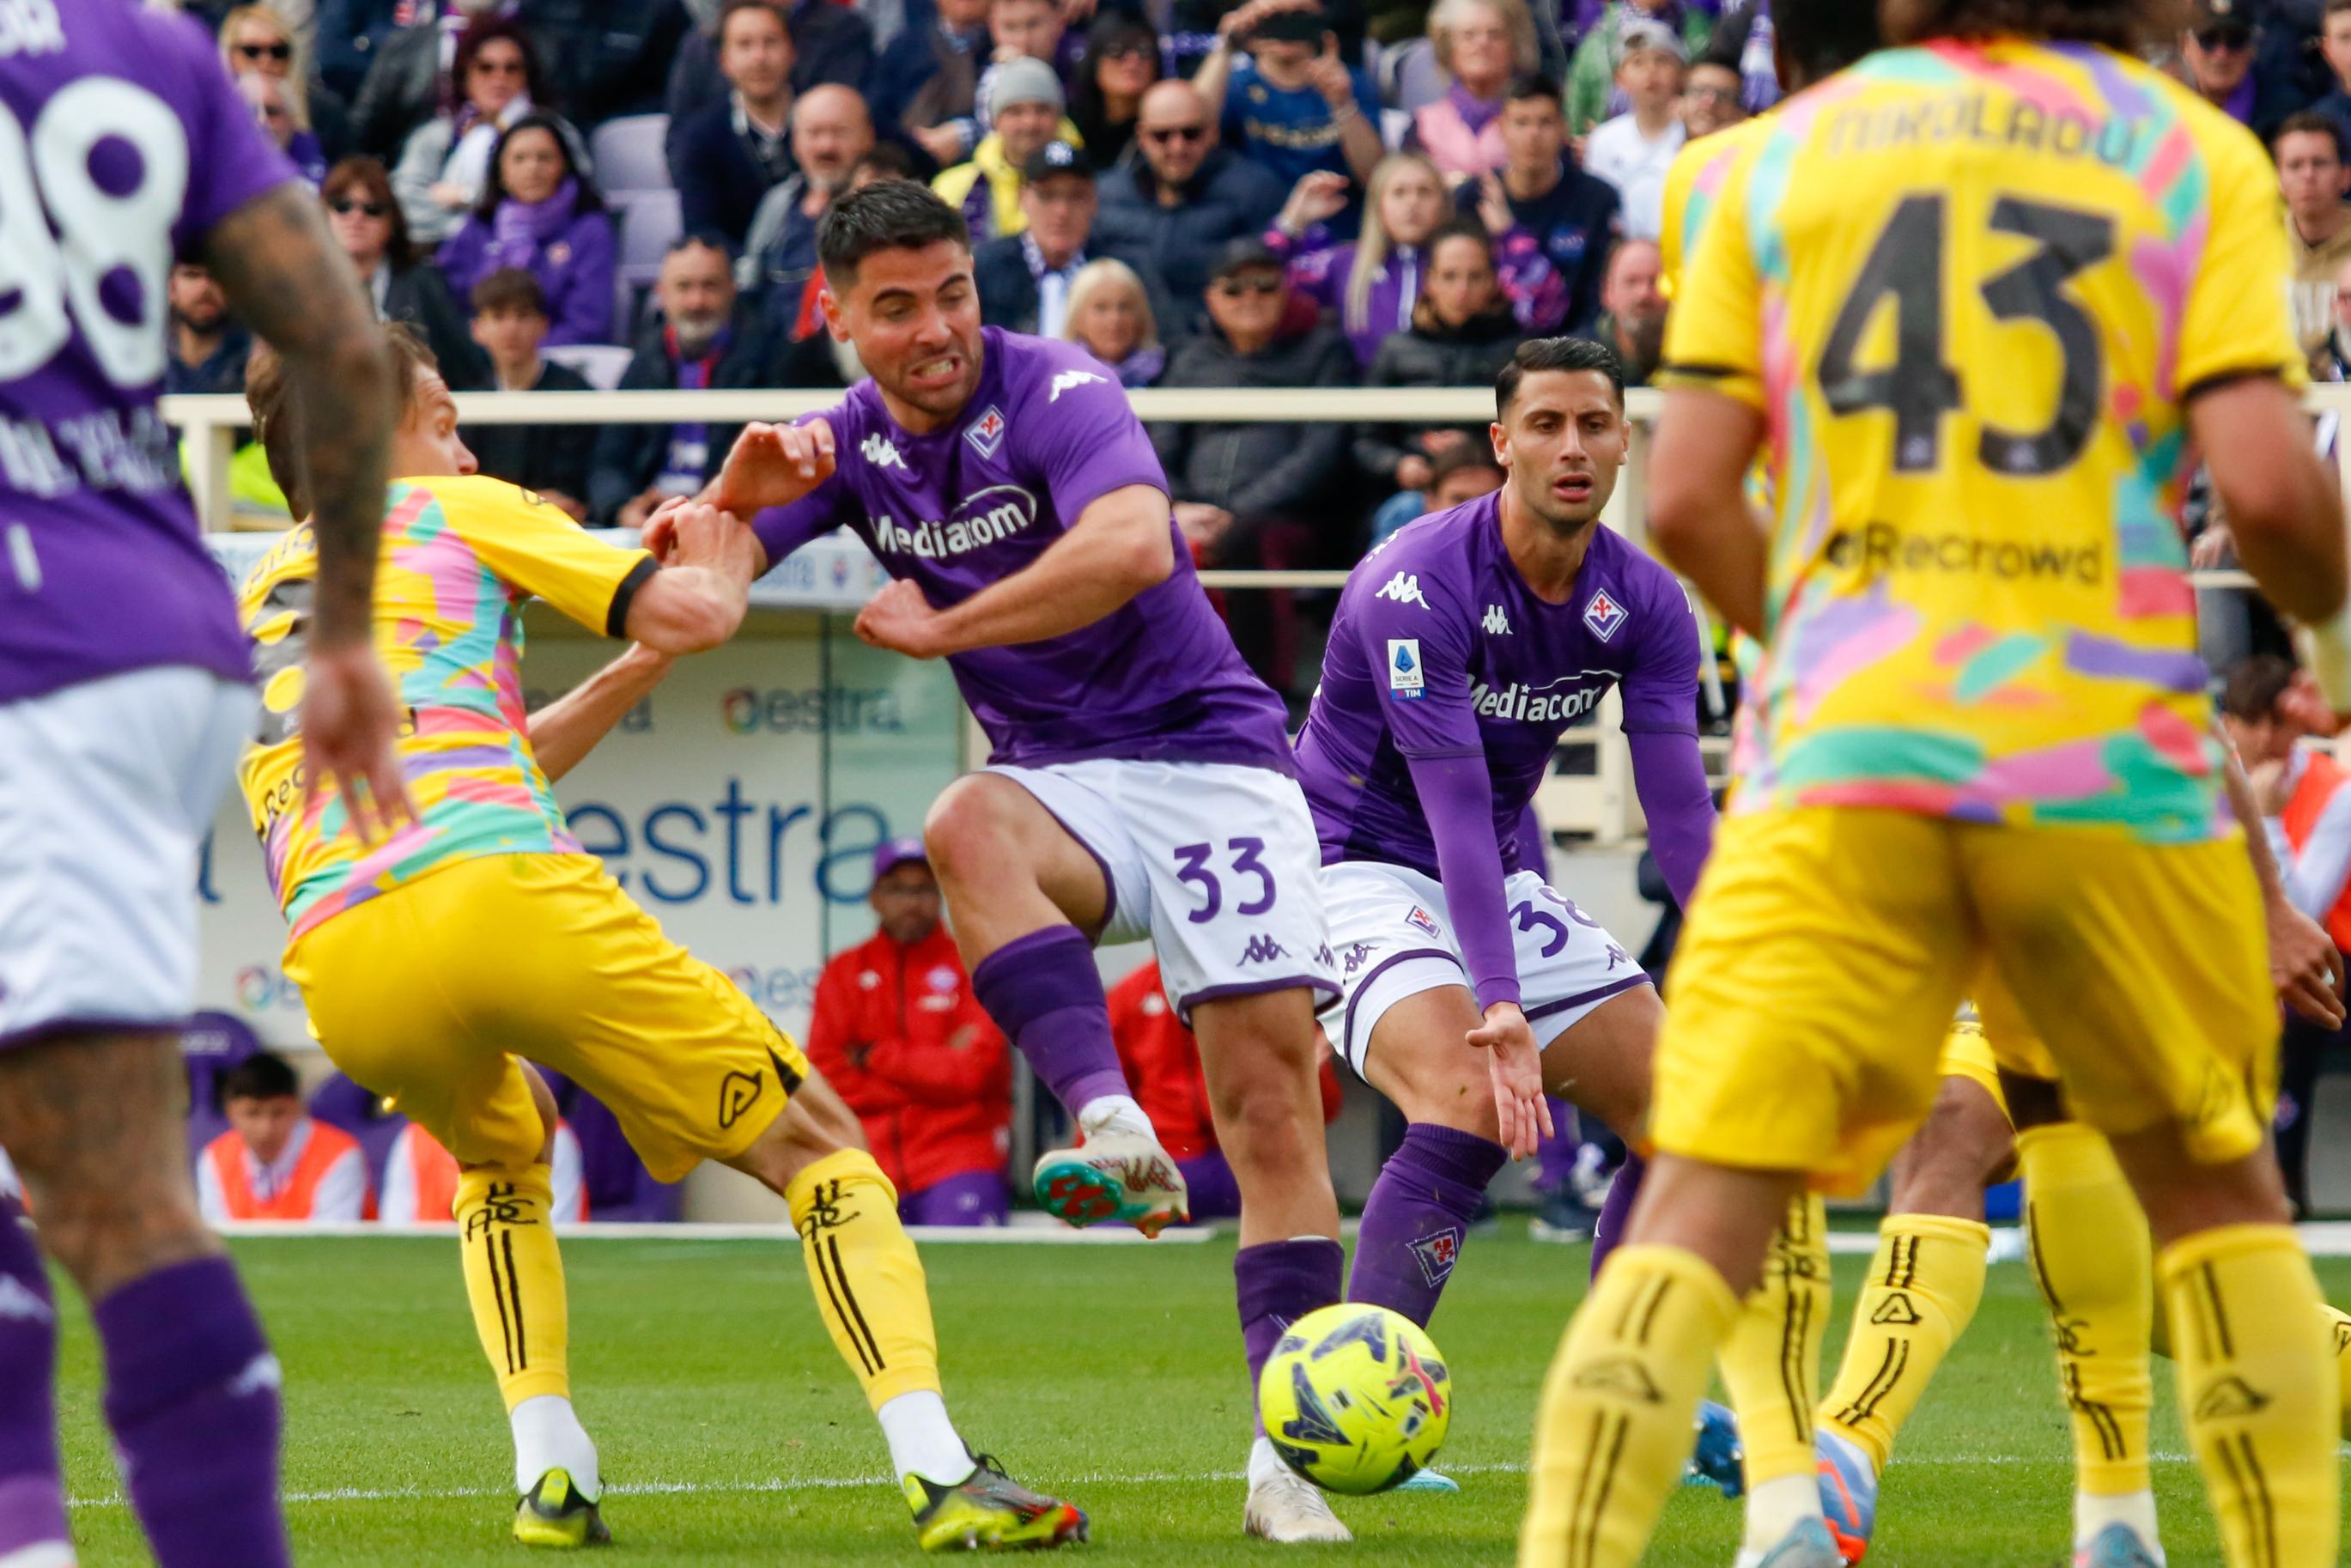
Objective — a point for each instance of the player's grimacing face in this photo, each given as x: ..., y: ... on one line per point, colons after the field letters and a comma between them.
x: 1562, y: 445
x: 914, y: 316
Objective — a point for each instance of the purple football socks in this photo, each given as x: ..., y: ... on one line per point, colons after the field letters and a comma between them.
x: 1616, y: 1210
x: 192, y: 1394
x: 32, y: 1496
x: 1418, y: 1215
x: 1045, y: 994
x: 1278, y: 1282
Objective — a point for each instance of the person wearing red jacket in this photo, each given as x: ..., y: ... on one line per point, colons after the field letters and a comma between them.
x: 1161, y: 1062
x: 898, y: 1032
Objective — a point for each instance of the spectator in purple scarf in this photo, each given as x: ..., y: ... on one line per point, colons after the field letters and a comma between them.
x: 539, y: 212
x: 1482, y: 45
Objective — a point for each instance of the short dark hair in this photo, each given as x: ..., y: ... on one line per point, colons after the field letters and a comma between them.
x: 891, y: 160
x: 889, y: 214
x: 2337, y: 7
x: 1540, y: 354
x: 277, y: 417
x: 263, y: 1075
x: 1462, y: 227
x: 511, y: 289
x: 2118, y: 24
x: 2252, y: 691
x: 733, y: 8
x: 1475, y: 453
x: 1533, y: 84
x: 2309, y: 123
x: 1822, y: 38
x: 702, y: 239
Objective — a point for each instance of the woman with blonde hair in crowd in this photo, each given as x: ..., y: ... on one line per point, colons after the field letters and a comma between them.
x: 1373, y: 283
x: 1481, y: 44
x: 1110, y: 317
x: 256, y: 40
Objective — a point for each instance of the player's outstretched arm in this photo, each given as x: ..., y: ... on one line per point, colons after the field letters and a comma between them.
x: 2280, y: 503
x: 697, y: 601
x: 566, y: 730
x: 1121, y: 546
x: 768, y: 465
x: 1698, y: 516
x: 284, y: 275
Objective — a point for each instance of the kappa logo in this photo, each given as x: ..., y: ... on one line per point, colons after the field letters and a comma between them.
x: 1604, y: 615
x: 882, y: 453
x: 261, y: 1374
x: 21, y: 1304
x: 1263, y: 950
x: 2231, y: 1398
x: 1497, y: 623
x: 1069, y: 381
x: 1436, y: 1254
x: 1895, y: 1312
x: 1355, y: 955
x: 1622, y: 1376
x: 738, y: 1092
x: 987, y: 432
x: 1403, y: 588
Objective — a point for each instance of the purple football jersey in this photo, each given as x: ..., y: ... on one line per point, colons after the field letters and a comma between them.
x: 121, y: 145
x: 1440, y: 649
x: 1046, y: 432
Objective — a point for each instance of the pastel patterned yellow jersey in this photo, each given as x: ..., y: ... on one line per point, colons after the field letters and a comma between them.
x: 1693, y: 185
x: 1972, y: 288
x: 460, y: 559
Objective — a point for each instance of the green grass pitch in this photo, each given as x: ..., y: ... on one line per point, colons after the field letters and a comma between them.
x: 731, y: 1434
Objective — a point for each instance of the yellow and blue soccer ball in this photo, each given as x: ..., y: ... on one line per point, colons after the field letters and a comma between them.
x: 1356, y: 1399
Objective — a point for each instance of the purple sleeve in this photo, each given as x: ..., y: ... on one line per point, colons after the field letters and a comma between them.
x: 1458, y: 795
x: 1084, y: 437
x: 1669, y: 775
x: 230, y: 162
x: 1661, y: 689
x: 1421, y: 647
x: 783, y: 530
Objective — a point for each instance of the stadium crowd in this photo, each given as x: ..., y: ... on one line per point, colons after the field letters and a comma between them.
x: 565, y: 193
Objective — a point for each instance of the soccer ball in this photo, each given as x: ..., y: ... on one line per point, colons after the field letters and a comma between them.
x: 1356, y: 1399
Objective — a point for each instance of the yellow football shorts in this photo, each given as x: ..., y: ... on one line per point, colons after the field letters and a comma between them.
x: 1828, y: 947
x: 429, y: 993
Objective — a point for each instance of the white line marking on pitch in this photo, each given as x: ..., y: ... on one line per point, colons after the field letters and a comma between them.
x: 842, y: 1483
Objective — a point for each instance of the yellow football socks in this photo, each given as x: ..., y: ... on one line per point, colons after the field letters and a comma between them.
x: 1614, y: 1429
x: 2087, y: 1242
x: 1922, y: 1292
x: 868, y: 1281
x: 1771, y: 1362
x: 514, y: 1277
x: 2261, y: 1410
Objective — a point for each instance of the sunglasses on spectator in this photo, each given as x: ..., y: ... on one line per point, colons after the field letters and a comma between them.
x: 1165, y: 134
x: 1128, y: 51
x: 345, y: 206
x: 1234, y: 287
x: 278, y: 51
x: 2226, y: 38
x: 497, y: 67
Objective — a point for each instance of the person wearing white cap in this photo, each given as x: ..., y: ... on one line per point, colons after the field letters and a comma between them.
x: 1024, y: 107
x: 1634, y: 150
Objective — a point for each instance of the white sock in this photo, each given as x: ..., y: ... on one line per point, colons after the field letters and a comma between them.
x: 1774, y: 1508
x: 922, y: 1441
x: 2135, y: 1509
x: 547, y: 1436
x: 1106, y: 1113
x: 1263, y: 1462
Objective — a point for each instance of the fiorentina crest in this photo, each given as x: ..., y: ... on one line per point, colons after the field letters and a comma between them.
x: 1436, y: 1255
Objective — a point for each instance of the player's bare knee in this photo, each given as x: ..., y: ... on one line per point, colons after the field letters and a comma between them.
x: 1963, y: 1145
x: 816, y: 1125
x: 2183, y: 1196
x: 967, y: 827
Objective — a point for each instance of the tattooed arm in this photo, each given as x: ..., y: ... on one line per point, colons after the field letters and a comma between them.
x: 288, y: 280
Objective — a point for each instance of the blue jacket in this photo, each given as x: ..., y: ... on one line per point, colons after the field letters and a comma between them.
x: 1231, y: 197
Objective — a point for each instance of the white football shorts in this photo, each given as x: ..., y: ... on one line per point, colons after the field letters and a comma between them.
x: 107, y: 789
x: 1392, y: 936
x: 1215, y: 863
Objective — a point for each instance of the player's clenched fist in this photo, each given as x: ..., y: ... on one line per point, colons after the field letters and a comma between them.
x: 773, y: 466
x: 900, y: 619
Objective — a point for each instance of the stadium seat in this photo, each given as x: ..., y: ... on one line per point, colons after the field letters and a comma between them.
x: 1410, y: 76
x: 628, y: 154
x: 649, y: 221
x: 601, y: 363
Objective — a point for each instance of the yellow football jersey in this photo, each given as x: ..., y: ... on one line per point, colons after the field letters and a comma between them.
x: 1693, y: 184
x: 459, y: 559
x: 1972, y: 289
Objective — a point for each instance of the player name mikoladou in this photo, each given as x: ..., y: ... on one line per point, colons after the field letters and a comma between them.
x: 1972, y: 115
